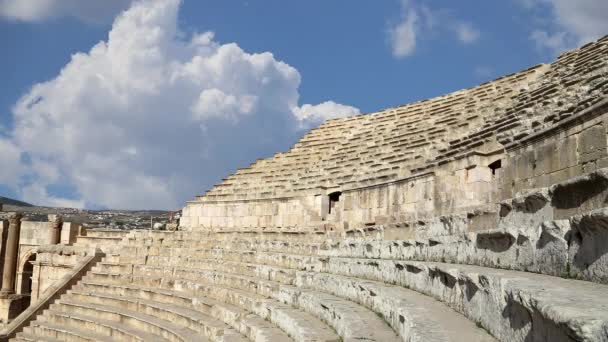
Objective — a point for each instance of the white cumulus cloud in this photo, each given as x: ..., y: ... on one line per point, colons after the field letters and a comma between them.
x: 313, y: 114
x: 466, y: 33
x: 148, y: 119
x: 420, y: 21
x: 37, y: 194
x: 37, y: 10
x: 403, y: 35
x: 570, y: 23
x: 11, y: 168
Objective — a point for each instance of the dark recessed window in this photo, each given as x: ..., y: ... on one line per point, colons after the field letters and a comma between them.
x: 334, y: 198
x: 495, y: 166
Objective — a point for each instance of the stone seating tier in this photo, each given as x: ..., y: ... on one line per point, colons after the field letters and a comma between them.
x: 510, y: 283
x: 410, y: 139
x: 535, y: 270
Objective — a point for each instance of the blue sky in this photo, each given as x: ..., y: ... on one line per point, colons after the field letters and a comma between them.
x: 178, y: 95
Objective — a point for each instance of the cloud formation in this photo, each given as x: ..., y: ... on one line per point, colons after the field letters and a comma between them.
x: 38, y: 10
x: 310, y: 115
x: 147, y: 119
x: 466, y: 33
x: 11, y: 168
x: 403, y: 35
x: 571, y: 23
x: 420, y: 21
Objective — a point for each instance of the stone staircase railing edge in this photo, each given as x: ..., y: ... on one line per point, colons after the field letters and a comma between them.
x: 50, y: 295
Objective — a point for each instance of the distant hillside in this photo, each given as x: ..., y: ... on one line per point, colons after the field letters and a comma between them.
x: 9, y: 201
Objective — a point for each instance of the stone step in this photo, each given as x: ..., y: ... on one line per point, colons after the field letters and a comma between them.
x: 211, y: 328
x: 300, y: 325
x: 512, y: 305
x: 193, y: 257
x: 160, y: 267
x: 395, y: 266
x: 23, y: 337
x: 539, y: 247
x: 338, y: 314
x: 255, y: 272
x: 47, y: 331
x: 90, y: 240
x: 154, y: 327
x: 239, y: 243
x: 352, y: 321
x: 107, y: 245
x: 77, y: 323
x: 106, y: 233
x: 256, y: 328
x: 415, y: 316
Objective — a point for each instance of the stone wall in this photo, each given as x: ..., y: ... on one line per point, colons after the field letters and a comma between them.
x: 35, y: 233
x: 53, y: 263
x: 460, y: 153
x: 466, y: 186
x: 558, y: 154
x: 284, y: 212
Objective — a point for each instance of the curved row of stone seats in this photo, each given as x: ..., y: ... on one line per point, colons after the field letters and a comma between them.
x: 574, y: 82
x: 75, y: 326
x: 419, y: 317
x: 250, y: 325
x: 383, y: 130
x: 83, y: 315
x: 282, y: 285
x: 300, y: 161
x: 47, y: 331
x: 409, y: 136
x: 409, y: 139
x: 560, y: 230
x: 237, y: 291
x: 541, y: 307
x: 78, y: 316
x: 105, y: 239
x: 197, y: 322
x: 342, y: 142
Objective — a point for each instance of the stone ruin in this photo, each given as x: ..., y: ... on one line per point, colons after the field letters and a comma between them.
x: 480, y: 215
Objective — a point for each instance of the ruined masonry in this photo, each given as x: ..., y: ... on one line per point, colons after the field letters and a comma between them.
x: 480, y: 215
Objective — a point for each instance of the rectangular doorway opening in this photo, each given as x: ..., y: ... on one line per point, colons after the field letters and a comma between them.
x: 334, y: 198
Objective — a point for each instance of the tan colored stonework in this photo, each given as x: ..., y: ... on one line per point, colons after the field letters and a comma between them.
x: 480, y: 215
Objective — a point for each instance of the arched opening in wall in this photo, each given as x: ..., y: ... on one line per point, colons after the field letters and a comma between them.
x: 26, y: 270
x: 334, y: 198
x: 494, y: 166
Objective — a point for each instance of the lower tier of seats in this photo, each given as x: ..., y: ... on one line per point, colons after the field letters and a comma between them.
x: 546, y: 307
x: 180, y: 289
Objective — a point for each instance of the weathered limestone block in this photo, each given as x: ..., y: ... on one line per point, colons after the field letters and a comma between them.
x: 69, y: 232
x: 542, y: 248
x: 53, y: 262
x: 56, y: 222
x: 438, y: 226
x: 414, y: 317
x: 579, y: 194
x: 592, y: 144
x: 482, y: 220
x: 512, y: 306
x: 526, y: 210
x: 551, y: 253
x: 588, y: 241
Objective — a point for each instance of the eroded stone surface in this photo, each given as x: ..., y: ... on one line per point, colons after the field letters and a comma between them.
x: 414, y: 224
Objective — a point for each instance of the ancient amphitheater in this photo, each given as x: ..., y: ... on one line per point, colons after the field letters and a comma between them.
x: 479, y: 215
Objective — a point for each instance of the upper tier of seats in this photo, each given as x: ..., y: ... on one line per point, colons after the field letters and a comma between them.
x: 406, y: 140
